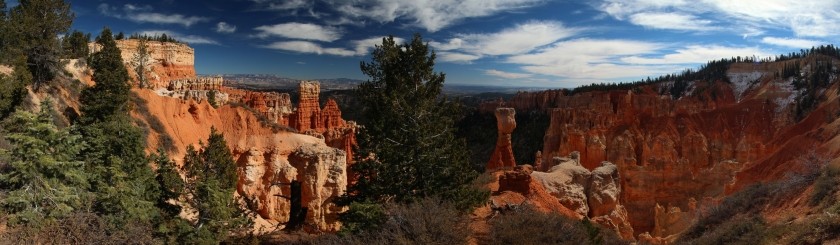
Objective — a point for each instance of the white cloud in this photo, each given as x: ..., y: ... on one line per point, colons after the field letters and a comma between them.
x: 456, y: 57
x: 365, y: 45
x: 191, y: 39
x: 309, y: 47
x: 429, y: 15
x: 359, y: 47
x: 508, y: 75
x: 589, y: 59
x: 791, y: 42
x: 140, y: 14
x: 806, y: 18
x: 519, y: 39
x: 284, y: 4
x: 698, y: 54
x: 303, y: 31
x: 224, y: 27
x: 671, y: 21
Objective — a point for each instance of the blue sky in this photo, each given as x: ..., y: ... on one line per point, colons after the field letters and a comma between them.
x: 523, y: 43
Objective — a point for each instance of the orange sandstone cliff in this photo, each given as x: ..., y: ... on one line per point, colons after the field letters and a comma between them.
x: 272, y: 141
x: 675, y: 154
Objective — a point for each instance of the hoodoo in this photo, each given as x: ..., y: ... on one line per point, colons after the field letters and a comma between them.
x: 502, y: 157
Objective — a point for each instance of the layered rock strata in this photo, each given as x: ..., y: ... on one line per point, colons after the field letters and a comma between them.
x: 592, y: 194
x: 502, y: 157
x: 167, y: 60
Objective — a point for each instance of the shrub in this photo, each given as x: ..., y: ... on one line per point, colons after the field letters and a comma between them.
x: 739, y: 230
x: 81, y: 228
x: 426, y: 221
x: 825, y: 186
x: 528, y: 226
x: 819, y: 230
x: 745, y: 201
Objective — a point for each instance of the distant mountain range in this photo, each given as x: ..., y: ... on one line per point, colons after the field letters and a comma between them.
x: 275, y: 82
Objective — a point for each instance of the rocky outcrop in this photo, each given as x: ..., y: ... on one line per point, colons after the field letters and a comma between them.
x: 567, y: 181
x: 323, y: 172
x: 264, y: 156
x: 502, y: 157
x: 527, y: 101
x: 594, y: 194
x: 196, y: 83
x: 167, y: 61
x: 667, y: 151
x: 332, y: 115
x: 308, y: 114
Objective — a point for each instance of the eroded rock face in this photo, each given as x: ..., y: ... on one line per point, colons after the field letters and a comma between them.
x: 323, y: 172
x: 308, y: 114
x: 332, y: 115
x: 264, y: 157
x: 567, y: 181
x: 502, y: 157
x: 167, y: 61
x: 667, y: 150
x: 592, y: 194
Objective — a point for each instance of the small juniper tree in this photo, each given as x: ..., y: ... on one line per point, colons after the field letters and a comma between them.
x: 140, y: 61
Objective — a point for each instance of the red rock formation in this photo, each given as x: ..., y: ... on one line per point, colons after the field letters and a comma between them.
x: 264, y: 157
x: 332, y: 115
x: 167, y: 61
x: 308, y: 114
x: 502, y: 157
x: 526, y: 101
x: 715, y: 139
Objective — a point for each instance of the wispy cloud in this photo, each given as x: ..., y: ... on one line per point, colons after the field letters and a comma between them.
x: 671, y: 21
x: 359, y: 47
x: 455, y: 57
x: 508, y: 75
x: 587, y: 59
x: 224, y: 27
x: 697, y: 54
x: 805, y: 18
x: 791, y: 42
x: 302, y: 31
x: 429, y: 15
x: 521, y: 38
x: 191, y: 39
x: 142, y: 14
x: 307, y: 47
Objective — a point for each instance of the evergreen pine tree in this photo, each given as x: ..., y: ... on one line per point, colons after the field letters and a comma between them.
x: 211, y: 182
x: 171, y: 228
x: 44, y: 179
x: 110, y: 96
x: 76, y: 45
x: 13, y: 89
x: 125, y: 186
x: 407, y: 147
x: 140, y: 61
x: 37, y: 24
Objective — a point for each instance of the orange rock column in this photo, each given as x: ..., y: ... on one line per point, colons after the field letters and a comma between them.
x: 502, y: 157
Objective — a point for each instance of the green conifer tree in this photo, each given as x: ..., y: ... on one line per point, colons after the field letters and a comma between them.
x: 36, y: 25
x: 407, y: 147
x: 125, y: 186
x: 211, y: 182
x: 44, y: 178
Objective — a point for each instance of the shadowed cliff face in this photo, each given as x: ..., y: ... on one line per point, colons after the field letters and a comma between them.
x: 713, y: 139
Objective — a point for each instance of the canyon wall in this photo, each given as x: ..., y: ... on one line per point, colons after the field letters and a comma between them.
x: 167, y: 60
x: 675, y: 154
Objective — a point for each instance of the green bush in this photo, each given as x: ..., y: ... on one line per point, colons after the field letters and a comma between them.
x: 738, y: 230
x: 825, y: 186
x: 426, y: 221
x: 528, y: 226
